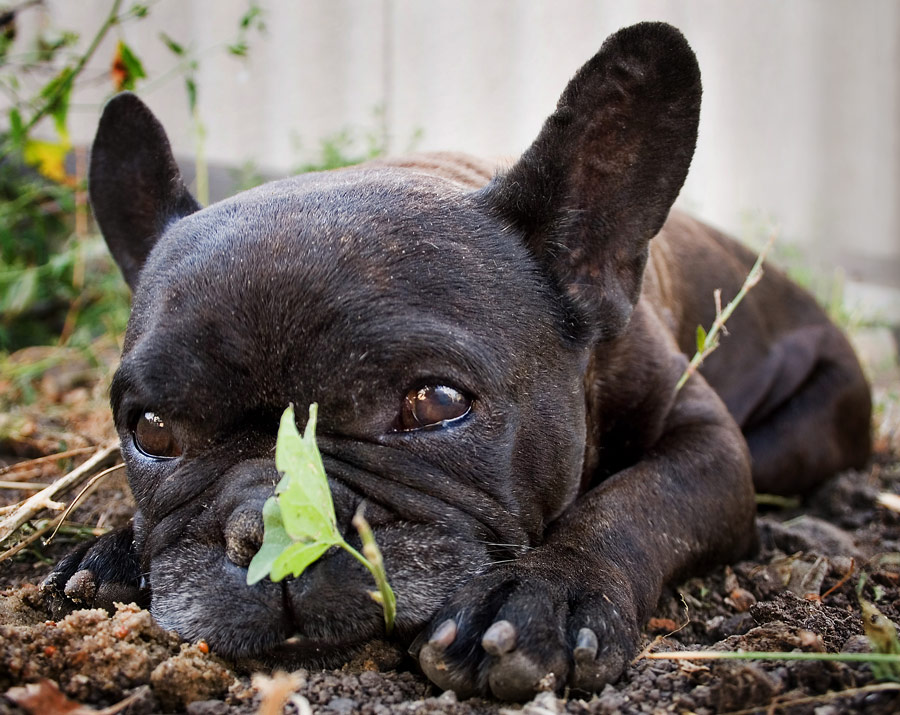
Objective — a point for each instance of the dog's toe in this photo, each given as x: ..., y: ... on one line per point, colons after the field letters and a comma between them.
x: 439, y: 667
x: 81, y: 587
x: 603, y: 636
x: 518, y: 674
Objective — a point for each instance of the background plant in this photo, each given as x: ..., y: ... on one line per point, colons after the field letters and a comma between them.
x: 57, y: 283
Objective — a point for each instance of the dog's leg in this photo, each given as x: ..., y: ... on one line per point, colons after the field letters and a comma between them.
x: 805, y: 411
x: 574, y: 605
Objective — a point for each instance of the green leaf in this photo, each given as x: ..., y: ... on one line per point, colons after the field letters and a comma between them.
x: 191, y: 87
x: 701, y: 338
x: 275, y: 541
x: 16, y: 127
x: 127, y: 68
x: 57, y: 92
x: 296, y: 557
x: 173, y: 46
x: 253, y: 15
x: 303, y: 492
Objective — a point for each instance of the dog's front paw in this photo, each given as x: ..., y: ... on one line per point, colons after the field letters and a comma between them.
x: 511, y: 633
x: 97, y: 574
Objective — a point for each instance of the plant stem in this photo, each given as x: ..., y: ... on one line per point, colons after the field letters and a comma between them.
x: 372, y: 560
x: 111, y: 19
x: 722, y: 315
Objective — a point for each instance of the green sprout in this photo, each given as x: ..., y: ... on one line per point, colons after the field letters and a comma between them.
x: 300, y: 525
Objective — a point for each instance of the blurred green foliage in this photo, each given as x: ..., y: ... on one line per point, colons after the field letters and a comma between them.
x: 58, y: 284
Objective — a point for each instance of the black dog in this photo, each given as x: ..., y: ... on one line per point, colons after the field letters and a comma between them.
x: 495, y: 362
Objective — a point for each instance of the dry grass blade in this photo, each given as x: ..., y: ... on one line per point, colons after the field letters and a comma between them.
x: 37, y: 503
x: 87, y: 489
x: 31, y: 463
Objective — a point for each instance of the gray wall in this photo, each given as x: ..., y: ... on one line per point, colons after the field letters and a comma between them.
x: 800, y: 125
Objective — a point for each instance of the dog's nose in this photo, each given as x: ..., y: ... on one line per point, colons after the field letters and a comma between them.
x: 243, y: 536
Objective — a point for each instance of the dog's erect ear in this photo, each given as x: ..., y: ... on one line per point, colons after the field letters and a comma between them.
x: 135, y: 185
x: 599, y: 181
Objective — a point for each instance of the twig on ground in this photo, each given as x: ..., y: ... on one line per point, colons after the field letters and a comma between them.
x: 29, y: 463
x: 824, y: 697
x: 707, y: 342
x: 57, y: 521
x: 24, y: 486
x: 31, y: 538
x: 37, y: 503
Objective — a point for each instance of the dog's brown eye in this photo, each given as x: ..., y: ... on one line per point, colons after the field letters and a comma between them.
x: 431, y: 406
x: 153, y: 436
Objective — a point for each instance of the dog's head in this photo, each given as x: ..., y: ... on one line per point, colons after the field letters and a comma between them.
x: 443, y: 331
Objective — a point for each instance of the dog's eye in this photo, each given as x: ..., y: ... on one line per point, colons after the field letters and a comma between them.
x: 154, y: 437
x: 431, y: 406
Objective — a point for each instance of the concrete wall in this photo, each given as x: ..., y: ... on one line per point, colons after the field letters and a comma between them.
x: 800, y: 124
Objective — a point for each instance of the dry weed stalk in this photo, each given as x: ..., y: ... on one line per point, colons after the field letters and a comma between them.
x: 707, y: 342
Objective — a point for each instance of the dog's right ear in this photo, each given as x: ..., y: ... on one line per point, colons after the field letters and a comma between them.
x: 135, y: 186
x: 598, y: 182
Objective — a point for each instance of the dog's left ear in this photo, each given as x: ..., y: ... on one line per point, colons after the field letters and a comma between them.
x: 599, y: 181
x: 135, y: 185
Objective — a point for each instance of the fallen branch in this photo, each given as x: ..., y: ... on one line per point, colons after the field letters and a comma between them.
x: 707, y: 342
x: 37, y: 503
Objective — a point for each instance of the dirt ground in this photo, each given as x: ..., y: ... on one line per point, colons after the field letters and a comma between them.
x: 798, y: 594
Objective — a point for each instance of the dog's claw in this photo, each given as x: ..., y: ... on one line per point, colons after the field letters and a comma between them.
x: 443, y: 635
x: 586, y: 646
x: 500, y: 638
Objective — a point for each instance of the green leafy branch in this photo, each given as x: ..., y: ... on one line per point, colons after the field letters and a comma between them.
x: 300, y: 523
x: 707, y: 342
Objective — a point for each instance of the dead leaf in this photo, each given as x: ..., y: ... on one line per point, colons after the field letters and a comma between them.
x: 45, y: 698
x: 662, y: 624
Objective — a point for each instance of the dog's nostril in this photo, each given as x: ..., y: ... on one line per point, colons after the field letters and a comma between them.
x: 243, y: 536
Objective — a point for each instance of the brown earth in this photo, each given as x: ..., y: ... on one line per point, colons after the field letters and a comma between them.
x: 798, y: 594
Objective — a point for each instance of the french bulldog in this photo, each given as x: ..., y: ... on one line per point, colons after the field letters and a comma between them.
x: 495, y: 359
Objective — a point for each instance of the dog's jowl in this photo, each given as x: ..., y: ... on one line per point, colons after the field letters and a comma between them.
x: 494, y: 356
